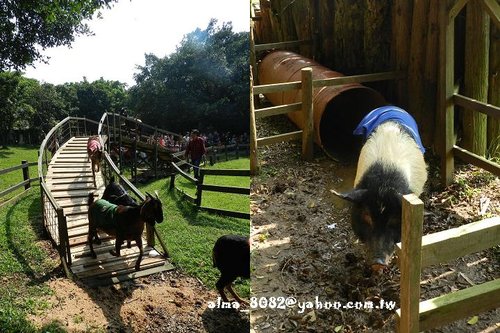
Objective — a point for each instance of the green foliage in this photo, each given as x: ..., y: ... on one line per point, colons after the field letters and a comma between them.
x: 204, y: 84
x: 29, y: 26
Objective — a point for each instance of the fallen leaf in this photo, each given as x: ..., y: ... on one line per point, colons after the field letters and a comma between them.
x: 473, y: 320
x: 309, y: 317
x: 338, y: 328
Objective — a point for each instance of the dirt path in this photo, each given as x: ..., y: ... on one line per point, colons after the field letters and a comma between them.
x: 303, y: 247
x: 166, y: 302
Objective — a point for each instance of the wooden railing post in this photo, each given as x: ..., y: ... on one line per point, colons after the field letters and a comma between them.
x: 307, y: 109
x: 63, y: 236
x: 150, y: 235
x: 26, y: 174
x: 254, y: 158
x: 445, y: 92
x: 199, y: 185
x: 155, y: 153
x: 411, y: 260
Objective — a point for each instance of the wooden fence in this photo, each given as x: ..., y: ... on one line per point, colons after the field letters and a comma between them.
x: 227, y: 152
x: 200, y: 187
x: 448, y: 99
x: 416, y: 252
x: 24, y: 166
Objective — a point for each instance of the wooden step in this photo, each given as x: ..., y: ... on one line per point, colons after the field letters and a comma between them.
x: 72, y: 187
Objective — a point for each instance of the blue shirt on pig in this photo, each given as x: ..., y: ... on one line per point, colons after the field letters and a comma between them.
x: 386, y: 113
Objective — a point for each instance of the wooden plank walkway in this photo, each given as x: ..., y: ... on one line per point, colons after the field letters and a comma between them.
x: 69, y: 178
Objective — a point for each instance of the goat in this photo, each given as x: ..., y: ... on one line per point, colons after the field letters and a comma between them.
x: 122, y: 222
x: 116, y: 194
x: 94, y: 151
x: 231, y: 255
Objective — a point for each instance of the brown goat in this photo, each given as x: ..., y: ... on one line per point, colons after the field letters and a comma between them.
x: 94, y: 151
x: 122, y: 222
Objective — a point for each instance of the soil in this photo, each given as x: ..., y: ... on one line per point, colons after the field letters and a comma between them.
x: 303, y: 245
x: 164, y: 302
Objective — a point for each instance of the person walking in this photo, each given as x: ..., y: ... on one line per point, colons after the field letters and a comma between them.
x: 195, y: 150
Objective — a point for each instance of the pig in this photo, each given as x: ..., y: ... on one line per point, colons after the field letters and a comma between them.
x: 231, y: 255
x: 390, y: 165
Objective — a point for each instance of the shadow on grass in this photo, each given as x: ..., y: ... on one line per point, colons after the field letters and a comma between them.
x: 5, y: 152
x: 25, y: 259
x: 196, y: 218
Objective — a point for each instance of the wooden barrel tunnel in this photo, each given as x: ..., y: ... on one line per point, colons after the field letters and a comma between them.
x: 337, y: 109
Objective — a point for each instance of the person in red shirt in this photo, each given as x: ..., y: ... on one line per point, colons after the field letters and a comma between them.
x: 195, y: 149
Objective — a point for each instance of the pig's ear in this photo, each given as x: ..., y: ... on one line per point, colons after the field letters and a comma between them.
x: 355, y: 195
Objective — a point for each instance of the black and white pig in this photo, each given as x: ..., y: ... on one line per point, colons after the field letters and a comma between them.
x: 391, y: 164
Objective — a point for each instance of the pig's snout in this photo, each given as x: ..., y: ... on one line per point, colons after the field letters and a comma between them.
x: 378, y: 266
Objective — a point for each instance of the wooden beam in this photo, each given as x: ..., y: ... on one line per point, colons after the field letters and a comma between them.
x: 308, y: 114
x: 476, y: 160
x: 276, y: 87
x: 475, y: 105
x: 411, y: 237
x: 183, y: 174
x: 297, y: 135
x: 229, y: 213
x: 281, y: 45
x: 226, y: 172
x: 446, y: 139
x: 450, y: 307
x: 359, y: 79
x: 446, y: 245
x: 277, y: 110
x: 493, y: 9
x: 225, y: 189
x: 457, y: 7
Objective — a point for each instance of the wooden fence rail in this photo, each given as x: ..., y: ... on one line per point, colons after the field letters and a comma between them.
x: 416, y: 252
x: 200, y: 187
x: 24, y: 166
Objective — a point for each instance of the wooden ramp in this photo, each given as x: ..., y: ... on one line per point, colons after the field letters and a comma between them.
x: 69, y: 179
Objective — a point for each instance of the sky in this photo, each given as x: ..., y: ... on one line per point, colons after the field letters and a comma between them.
x: 130, y: 29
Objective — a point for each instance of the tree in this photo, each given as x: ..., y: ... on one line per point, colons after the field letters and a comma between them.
x: 203, y: 84
x: 28, y: 25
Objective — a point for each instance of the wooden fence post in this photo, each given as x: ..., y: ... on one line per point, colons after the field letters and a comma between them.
x: 307, y: 109
x: 445, y: 92
x: 411, y: 260
x: 155, y: 154
x: 254, y: 158
x: 199, y: 185
x: 172, y: 181
x: 26, y: 173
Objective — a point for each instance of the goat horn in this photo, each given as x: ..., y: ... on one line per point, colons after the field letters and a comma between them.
x: 156, y: 193
x: 149, y: 195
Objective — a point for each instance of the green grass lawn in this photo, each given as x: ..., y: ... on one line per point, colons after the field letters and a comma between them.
x: 25, y: 254
x: 12, y: 156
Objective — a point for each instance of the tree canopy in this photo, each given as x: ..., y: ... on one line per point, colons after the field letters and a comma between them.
x: 204, y: 84
x: 27, y: 27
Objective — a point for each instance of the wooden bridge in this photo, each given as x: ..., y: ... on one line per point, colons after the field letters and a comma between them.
x: 66, y: 181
